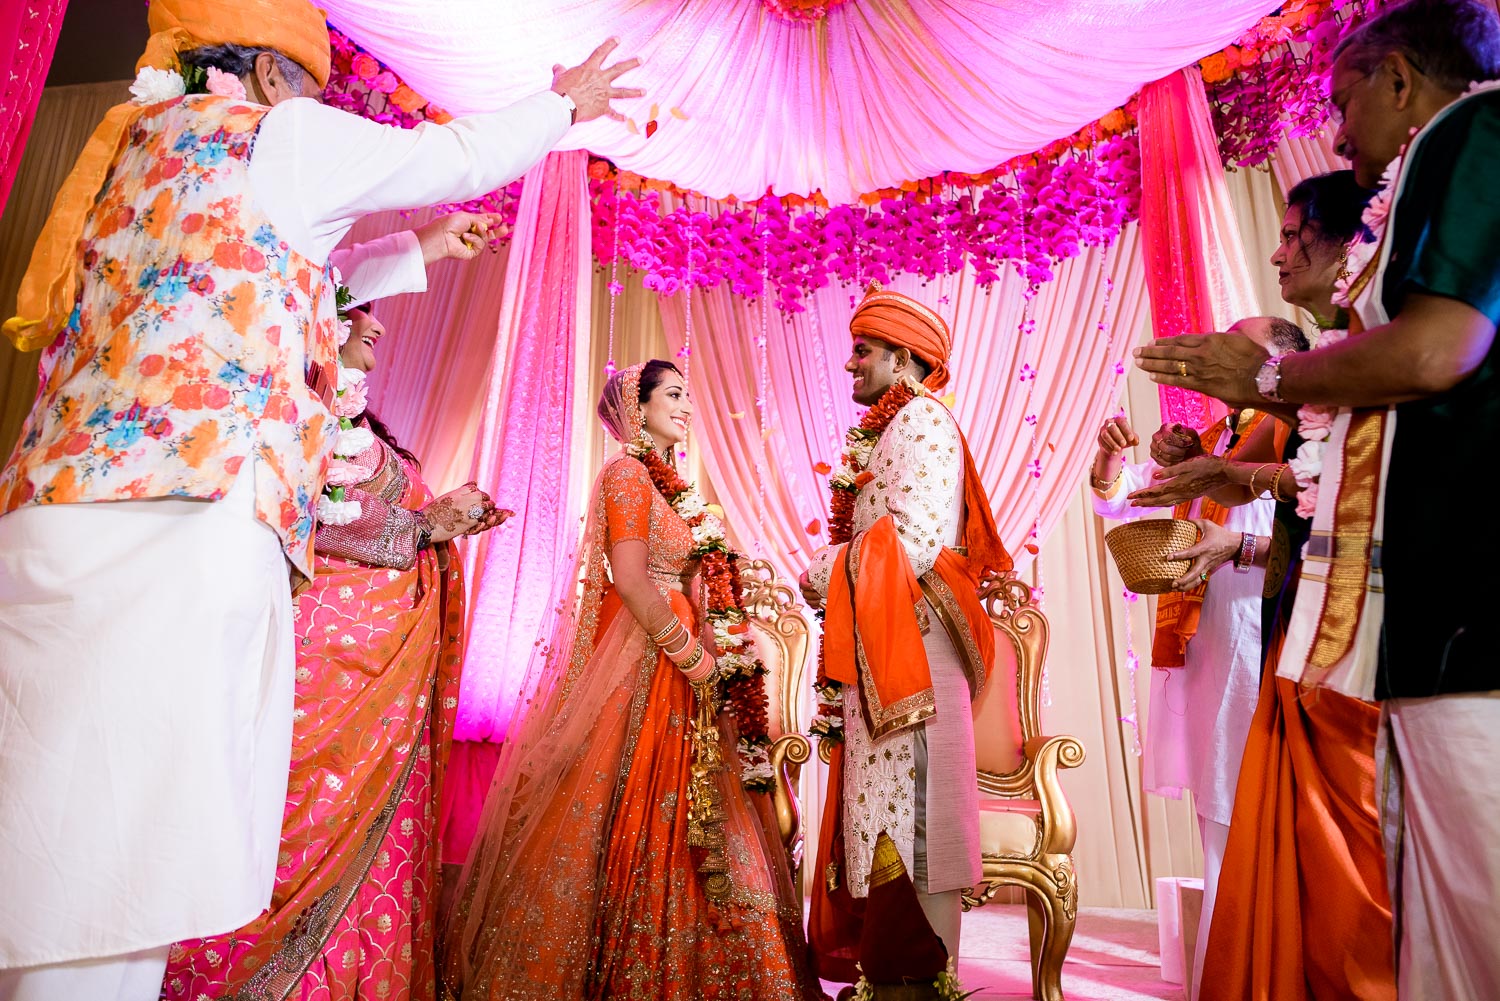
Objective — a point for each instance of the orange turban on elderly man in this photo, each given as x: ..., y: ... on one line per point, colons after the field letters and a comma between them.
x: 295, y: 28
x: 903, y: 322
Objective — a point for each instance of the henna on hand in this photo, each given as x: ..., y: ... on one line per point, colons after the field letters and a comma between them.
x: 444, y: 516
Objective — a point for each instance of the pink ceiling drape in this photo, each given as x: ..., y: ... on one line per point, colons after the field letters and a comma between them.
x: 29, y: 31
x: 1195, y: 261
x: 880, y: 92
x: 525, y: 448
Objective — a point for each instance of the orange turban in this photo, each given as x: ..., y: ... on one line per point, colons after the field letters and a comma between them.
x: 903, y: 322
x: 295, y: 28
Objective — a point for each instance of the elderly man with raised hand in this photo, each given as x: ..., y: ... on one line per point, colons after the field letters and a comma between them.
x: 182, y: 294
x: 1387, y: 607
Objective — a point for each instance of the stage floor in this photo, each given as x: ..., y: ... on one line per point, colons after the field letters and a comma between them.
x: 1113, y: 956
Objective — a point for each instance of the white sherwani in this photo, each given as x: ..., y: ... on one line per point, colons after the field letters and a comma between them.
x: 146, y: 647
x: 919, y: 784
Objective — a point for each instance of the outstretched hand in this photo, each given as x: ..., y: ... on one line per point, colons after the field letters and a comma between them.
x: 591, y: 84
x: 1218, y: 365
x: 1182, y: 482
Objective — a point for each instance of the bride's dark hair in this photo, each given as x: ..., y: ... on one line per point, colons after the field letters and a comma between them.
x: 652, y: 374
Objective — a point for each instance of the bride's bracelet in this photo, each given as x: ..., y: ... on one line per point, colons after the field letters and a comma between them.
x: 698, y: 667
x: 661, y: 634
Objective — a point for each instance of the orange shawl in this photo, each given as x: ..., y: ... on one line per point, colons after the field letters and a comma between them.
x: 873, y: 633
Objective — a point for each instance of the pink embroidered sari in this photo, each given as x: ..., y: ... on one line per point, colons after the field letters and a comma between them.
x: 378, y: 653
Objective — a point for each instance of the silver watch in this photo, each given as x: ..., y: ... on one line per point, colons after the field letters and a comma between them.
x: 1268, y: 379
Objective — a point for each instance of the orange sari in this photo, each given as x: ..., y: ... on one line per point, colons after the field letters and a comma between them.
x: 1303, y: 910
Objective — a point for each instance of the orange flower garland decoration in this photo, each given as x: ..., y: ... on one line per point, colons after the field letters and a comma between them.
x: 828, y: 722
x: 741, y: 674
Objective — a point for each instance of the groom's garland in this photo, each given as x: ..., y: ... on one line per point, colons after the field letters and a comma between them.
x: 859, y: 445
x: 741, y: 674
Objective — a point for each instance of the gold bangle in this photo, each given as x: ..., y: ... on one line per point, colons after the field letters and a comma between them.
x: 693, y: 660
x: 1276, y: 482
x: 1253, y: 475
x: 1105, y: 487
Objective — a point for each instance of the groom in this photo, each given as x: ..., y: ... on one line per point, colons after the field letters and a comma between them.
x: 904, y: 634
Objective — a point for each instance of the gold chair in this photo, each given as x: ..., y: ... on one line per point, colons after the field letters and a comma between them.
x: 783, y: 643
x: 1026, y: 826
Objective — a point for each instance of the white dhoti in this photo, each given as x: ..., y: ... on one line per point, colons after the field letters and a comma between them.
x: 146, y: 676
x: 1442, y: 827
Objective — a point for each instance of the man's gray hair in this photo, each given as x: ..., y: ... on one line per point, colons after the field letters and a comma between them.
x: 1287, y: 336
x: 237, y: 60
x: 1452, y: 42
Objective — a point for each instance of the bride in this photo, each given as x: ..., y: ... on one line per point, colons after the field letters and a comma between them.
x: 619, y: 855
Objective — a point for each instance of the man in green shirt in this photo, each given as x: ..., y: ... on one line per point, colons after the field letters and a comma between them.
x: 1418, y: 86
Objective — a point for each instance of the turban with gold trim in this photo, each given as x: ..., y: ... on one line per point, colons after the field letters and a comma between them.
x: 295, y: 28
x: 903, y: 322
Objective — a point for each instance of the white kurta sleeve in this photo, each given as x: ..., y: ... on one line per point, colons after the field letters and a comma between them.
x: 920, y: 476
x: 1116, y: 506
x: 388, y: 265
x: 820, y: 570
x: 316, y: 170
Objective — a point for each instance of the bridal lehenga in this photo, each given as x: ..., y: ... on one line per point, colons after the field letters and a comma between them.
x: 582, y: 882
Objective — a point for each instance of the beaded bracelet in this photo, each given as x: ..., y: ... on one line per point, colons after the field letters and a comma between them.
x: 660, y: 635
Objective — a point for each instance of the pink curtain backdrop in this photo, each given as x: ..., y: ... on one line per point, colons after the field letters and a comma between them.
x: 807, y: 407
x: 524, y: 454
x: 1195, y: 262
x: 28, y: 29
x: 881, y: 92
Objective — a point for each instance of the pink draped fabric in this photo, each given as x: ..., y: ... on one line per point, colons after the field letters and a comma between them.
x: 29, y: 29
x: 879, y: 92
x: 524, y: 449
x: 762, y: 464
x: 1195, y: 262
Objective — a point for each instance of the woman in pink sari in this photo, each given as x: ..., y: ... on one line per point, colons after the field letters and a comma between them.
x: 378, y: 652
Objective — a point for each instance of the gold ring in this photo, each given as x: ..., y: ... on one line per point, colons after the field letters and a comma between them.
x: 1182, y: 369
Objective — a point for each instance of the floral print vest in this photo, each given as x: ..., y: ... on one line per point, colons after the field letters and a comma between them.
x: 196, y: 333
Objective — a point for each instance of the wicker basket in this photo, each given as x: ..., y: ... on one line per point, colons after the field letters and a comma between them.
x: 1138, y: 548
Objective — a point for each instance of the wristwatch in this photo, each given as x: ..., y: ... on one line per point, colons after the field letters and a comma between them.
x: 572, y: 109
x: 1268, y: 379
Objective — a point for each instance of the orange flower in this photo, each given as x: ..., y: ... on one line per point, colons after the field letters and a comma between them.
x: 407, y: 99
x: 1215, y: 68
x: 822, y: 469
x: 365, y: 66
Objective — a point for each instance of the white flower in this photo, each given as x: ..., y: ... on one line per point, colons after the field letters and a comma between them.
x: 152, y: 86
x: 346, y: 592
x: 690, y: 504
x: 726, y: 640
x: 1308, y: 465
x: 349, y: 377
x: 353, y: 441
x: 707, y: 532
x: 333, y: 782
x: 332, y: 512
x: 735, y: 663
x: 859, y: 452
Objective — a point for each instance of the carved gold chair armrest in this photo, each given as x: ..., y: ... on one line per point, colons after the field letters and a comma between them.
x: 788, y: 754
x: 1047, y: 755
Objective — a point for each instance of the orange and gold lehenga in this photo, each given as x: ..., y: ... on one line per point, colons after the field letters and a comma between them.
x: 581, y: 882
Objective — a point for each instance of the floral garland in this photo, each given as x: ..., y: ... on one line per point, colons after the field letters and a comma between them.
x: 334, y: 507
x: 853, y: 473
x: 153, y: 86
x: 1272, y: 82
x: 1030, y: 219
x: 803, y: 12
x: 1315, y: 423
x: 741, y: 672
